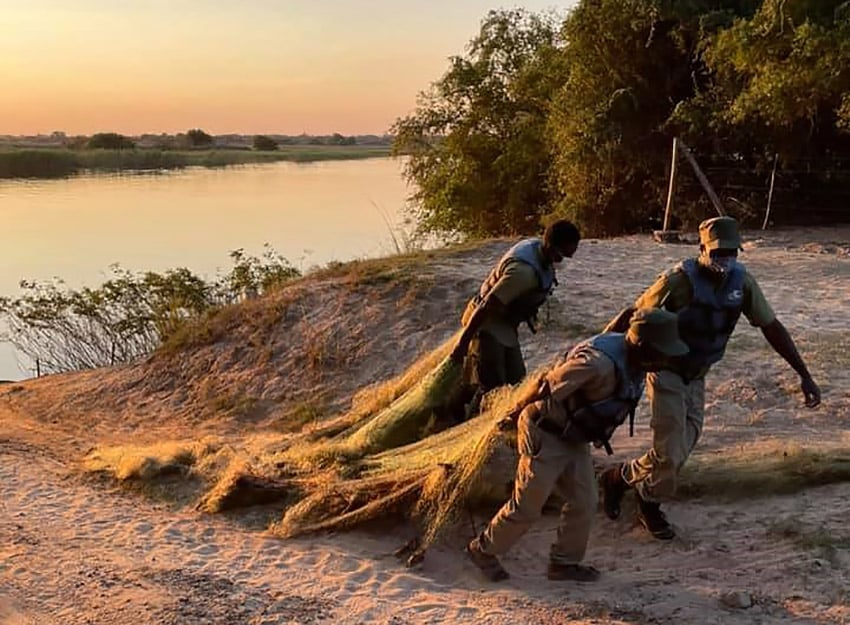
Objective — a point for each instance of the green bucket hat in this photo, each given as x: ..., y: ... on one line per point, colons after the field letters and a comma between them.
x: 719, y: 233
x: 657, y: 328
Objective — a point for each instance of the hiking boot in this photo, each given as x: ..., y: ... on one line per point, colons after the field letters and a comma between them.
x: 489, y: 565
x: 653, y: 519
x: 613, y: 489
x: 574, y: 572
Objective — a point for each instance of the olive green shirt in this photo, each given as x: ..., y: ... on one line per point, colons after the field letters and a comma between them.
x: 673, y: 291
x: 516, y: 279
x: 589, y: 371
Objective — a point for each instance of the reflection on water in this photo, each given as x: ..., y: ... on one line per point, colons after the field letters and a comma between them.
x: 310, y: 213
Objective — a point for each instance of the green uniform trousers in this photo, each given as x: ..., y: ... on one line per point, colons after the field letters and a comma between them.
x: 492, y: 364
x: 547, y: 463
x: 677, y: 411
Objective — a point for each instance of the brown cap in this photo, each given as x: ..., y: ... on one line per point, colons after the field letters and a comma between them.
x: 657, y: 328
x: 719, y: 233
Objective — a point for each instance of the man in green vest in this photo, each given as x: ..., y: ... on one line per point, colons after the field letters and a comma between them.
x: 578, y: 402
x: 708, y: 293
x: 510, y: 295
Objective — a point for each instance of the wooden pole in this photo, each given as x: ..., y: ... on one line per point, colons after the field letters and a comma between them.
x: 770, y: 193
x: 703, y: 180
x: 672, y: 185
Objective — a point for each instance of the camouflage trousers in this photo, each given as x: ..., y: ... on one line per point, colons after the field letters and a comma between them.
x: 677, y: 411
x: 547, y: 464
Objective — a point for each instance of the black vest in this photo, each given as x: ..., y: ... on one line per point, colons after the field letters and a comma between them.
x: 595, y: 422
x: 525, y: 306
x: 709, y: 319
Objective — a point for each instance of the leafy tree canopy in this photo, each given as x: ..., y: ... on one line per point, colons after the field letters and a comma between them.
x: 574, y: 117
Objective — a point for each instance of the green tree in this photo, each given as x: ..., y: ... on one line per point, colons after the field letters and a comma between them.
x: 631, y: 63
x: 476, y: 143
x: 110, y: 141
x: 198, y: 138
x: 783, y: 76
x: 264, y: 143
x: 534, y: 121
x: 338, y: 139
x: 780, y: 85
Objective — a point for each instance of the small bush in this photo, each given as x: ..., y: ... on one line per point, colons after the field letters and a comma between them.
x: 110, y: 141
x: 132, y: 314
x: 264, y: 144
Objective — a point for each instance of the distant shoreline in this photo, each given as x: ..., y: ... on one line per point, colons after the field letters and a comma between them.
x: 40, y: 163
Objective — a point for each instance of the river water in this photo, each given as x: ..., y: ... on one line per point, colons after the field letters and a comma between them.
x: 313, y: 213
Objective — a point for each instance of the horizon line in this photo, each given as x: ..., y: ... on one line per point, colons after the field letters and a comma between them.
x: 222, y: 134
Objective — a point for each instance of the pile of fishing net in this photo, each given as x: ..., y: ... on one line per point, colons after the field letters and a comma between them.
x: 397, y: 453
x: 397, y: 460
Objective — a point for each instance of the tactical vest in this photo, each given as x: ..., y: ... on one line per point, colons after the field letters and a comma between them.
x: 595, y: 422
x: 707, y: 322
x: 526, y: 305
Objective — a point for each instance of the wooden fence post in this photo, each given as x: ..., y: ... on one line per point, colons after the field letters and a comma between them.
x: 770, y: 193
x: 718, y: 205
x: 672, y: 185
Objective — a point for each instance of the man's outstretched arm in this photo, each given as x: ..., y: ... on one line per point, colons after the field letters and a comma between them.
x: 782, y: 343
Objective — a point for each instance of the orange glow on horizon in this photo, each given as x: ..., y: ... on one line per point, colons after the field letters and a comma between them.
x: 259, y: 66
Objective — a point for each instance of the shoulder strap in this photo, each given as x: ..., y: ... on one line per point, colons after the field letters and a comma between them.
x: 529, y: 252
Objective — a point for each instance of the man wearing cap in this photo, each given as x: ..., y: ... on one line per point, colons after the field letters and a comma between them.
x: 578, y: 402
x: 512, y: 294
x: 708, y: 293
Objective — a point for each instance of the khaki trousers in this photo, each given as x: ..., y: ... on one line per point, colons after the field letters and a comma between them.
x: 547, y: 463
x: 677, y: 418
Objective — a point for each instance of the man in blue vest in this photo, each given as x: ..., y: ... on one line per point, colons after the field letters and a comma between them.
x: 510, y: 295
x: 708, y: 293
x: 578, y: 402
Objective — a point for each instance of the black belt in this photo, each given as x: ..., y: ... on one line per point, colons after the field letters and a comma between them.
x: 556, y: 430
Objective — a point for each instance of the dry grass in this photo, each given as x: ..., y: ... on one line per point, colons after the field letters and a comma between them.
x: 145, y: 463
x: 259, y: 316
x: 396, y: 268
x: 330, y: 341
x: 300, y: 414
x: 829, y: 351
x: 823, y: 542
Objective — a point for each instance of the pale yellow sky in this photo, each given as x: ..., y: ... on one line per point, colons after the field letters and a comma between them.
x: 248, y: 66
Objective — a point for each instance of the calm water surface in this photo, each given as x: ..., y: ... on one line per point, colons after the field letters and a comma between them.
x: 310, y: 213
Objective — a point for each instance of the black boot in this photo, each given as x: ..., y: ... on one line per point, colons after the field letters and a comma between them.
x: 613, y: 489
x: 653, y: 519
x: 488, y: 564
x: 574, y: 572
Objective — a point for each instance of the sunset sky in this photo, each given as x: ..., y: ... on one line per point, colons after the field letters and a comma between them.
x: 247, y: 66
